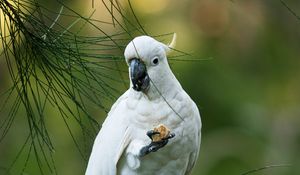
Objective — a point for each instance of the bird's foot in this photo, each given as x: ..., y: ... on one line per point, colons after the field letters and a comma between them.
x: 159, y: 138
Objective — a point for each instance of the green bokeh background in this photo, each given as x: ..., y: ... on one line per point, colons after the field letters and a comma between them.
x: 246, y: 86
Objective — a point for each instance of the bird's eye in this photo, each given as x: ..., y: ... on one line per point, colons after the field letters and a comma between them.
x: 155, y: 61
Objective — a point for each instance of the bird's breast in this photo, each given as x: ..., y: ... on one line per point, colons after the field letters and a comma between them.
x: 177, y: 114
x: 148, y: 114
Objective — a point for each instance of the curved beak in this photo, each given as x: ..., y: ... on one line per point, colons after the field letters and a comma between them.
x: 138, y: 74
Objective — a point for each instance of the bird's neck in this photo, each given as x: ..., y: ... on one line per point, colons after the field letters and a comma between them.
x: 165, y: 86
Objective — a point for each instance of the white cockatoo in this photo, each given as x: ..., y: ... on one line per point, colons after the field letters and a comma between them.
x: 154, y: 127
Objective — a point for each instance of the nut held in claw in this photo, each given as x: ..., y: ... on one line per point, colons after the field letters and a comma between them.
x: 164, y: 132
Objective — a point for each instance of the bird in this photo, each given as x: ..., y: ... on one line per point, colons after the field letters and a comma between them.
x: 154, y: 127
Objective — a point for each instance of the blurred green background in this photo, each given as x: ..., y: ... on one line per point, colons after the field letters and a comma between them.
x: 246, y: 87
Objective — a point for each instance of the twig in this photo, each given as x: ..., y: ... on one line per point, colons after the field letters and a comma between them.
x: 266, y: 167
x: 290, y: 10
x: 54, y: 22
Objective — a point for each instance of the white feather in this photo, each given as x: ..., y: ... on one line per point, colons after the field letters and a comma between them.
x: 123, y: 134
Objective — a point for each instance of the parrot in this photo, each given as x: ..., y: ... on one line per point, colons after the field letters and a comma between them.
x: 154, y: 127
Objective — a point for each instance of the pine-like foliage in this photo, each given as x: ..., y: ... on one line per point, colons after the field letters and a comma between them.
x: 58, y: 66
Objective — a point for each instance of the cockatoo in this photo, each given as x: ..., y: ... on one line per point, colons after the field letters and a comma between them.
x: 154, y: 127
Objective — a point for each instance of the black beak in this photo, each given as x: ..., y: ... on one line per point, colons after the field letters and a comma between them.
x: 139, y: 75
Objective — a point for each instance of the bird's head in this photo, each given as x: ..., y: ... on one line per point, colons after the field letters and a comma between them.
x: 147, y: 61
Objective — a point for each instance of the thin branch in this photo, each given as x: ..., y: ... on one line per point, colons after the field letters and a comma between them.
x: 266, y: 167
x: 290, y: 10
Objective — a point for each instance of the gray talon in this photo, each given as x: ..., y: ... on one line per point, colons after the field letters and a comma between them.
x: 154, y: 146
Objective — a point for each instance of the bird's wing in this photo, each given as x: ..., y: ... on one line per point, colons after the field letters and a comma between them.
x: 111, y: 141
x: 191, y: 162
x: 194, y: 155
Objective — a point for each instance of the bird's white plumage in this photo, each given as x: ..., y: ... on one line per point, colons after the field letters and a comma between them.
x: 123, y: 134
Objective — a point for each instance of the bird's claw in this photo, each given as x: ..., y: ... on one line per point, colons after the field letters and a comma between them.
x: 155, y: 145
x: 171, y: 135
x: 151, y: 133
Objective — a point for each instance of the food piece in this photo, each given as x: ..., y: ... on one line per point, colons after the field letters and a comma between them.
x: 164, y: 132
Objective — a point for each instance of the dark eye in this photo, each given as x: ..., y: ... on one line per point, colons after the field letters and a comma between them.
x: 155, y: 61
